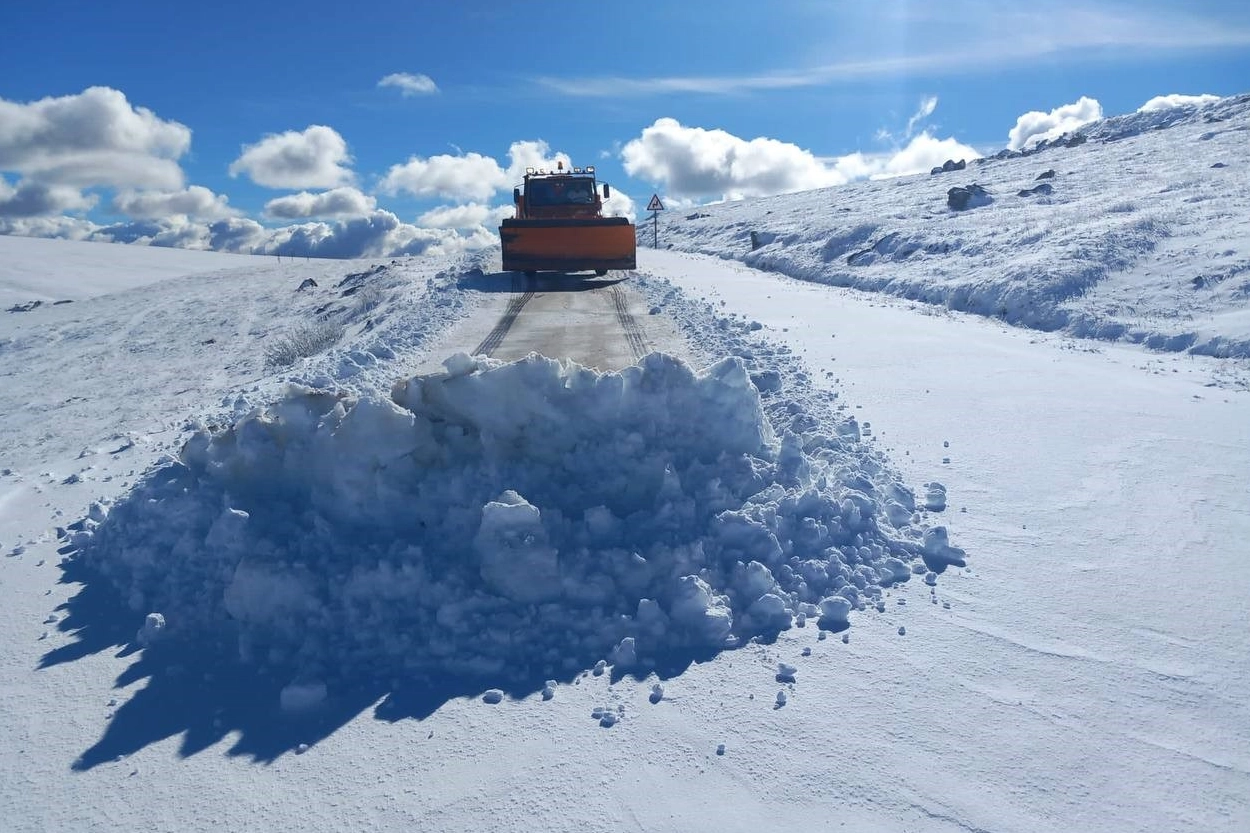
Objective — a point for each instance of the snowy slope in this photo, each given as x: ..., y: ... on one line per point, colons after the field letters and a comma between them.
x: 1139, y: 234
x: 381, y: 550
x: 84, y: 270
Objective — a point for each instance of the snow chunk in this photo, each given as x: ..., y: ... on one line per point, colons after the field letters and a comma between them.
x: 498, y: 520
x: 151, y: 632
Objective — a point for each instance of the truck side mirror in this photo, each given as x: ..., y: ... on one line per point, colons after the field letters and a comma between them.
x: 516, y: 195
x: 607, y: 192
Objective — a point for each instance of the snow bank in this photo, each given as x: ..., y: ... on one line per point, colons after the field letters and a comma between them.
x: 508, y: 520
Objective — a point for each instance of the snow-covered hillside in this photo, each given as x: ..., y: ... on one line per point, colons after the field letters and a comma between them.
x: 1134, y: 228
x: 84, y: 270
x: 280, y: 552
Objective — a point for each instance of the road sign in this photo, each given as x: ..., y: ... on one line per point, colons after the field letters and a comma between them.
x: 655, y: 204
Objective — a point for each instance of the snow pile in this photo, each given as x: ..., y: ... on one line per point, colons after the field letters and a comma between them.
x: 1139, y: 235
x: 509, y: 520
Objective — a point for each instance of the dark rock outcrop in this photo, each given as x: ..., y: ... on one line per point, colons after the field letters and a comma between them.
x: 1040, y: 191
x: 948, y: 166
x: 962, y: 198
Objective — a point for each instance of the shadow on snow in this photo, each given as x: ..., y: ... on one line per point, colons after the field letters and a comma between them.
x: 202, y: 691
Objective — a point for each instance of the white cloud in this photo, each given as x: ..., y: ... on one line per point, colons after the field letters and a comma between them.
x: 927, y: 106
x: 619, y: 204
x: 38, y: 199
x: 533, y: 154
x: 920, y: 155
x: 693, y: 163
x: 93, y: 138
x: 467, y: 216
x: 1036, y: 126
x: 410, y: 84
x: 958, y: 36
x: 470, y: 176
x: 196, y: 201
x: 380, y: 234
x: 314, y: 158
x: 339, y: 202
x: 1167, y: 102
x: 61, y: 228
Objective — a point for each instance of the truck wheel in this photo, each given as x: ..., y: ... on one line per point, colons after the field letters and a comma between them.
x: 601, y: 272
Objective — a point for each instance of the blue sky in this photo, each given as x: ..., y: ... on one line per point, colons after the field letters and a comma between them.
x: 696, y: 100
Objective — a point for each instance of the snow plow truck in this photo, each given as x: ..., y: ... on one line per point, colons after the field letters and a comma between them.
x: 560, y: 227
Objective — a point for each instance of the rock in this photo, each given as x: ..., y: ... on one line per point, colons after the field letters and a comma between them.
x: 964, y: 197
x: 949, y: 165
x: 1041, y: 190
x: 308, y: 283
x: 1073, y: 141
x: 1047, y: 174
x: 26, y: 307
x: 1219, y: 165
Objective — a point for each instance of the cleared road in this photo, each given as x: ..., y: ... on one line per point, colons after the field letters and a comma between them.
x: 597, y: 322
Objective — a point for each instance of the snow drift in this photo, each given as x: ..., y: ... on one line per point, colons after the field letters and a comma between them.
x: 509, y: 521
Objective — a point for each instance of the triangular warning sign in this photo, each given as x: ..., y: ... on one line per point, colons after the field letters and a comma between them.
x: 655, y: 204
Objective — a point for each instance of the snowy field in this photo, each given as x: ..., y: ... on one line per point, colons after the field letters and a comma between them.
x: 883, y: 560
x: 51, y: 271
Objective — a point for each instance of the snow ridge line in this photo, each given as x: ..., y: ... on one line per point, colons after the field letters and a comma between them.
x: 633, y: 333
x: 496, y: 336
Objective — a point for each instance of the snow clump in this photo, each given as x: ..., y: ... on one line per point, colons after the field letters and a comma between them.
x: 506, y: 521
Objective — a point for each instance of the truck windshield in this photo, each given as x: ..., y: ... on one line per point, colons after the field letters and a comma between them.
x: 560, y: 192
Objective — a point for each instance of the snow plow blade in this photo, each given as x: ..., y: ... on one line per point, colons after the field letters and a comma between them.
x: 578, y: 244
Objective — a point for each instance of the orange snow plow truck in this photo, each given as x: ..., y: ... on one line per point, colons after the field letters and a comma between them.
x: 560, y: 227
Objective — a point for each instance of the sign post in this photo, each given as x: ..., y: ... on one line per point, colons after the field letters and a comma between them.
x: 655, y: 207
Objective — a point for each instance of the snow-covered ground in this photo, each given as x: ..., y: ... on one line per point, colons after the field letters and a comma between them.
x: 1138, y: 234
x: 724, y: 589
x: 51, y: 271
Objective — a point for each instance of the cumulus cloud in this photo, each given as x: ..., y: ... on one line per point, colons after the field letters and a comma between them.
x: 1167, y: 102
x: 196, y: 201
x: 468, y: 216
x: 619, y: 204
x: 410, y: 84
x: 468, y: 177
x: 338, y: 202
x: 314, y: 158
x: 380, y: 234
x: 38, y: 199
x: 695, y: 163
x: 1036, y: 126
x: 920, y: 155
x: 93, y: 138
x: 533, y: 154
x: 61, y: 228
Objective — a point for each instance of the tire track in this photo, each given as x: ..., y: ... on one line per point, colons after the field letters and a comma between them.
x: 496, y: 336
x: 633, y: 333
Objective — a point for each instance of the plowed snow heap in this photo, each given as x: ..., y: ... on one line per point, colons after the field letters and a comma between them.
x: 508, y: 520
